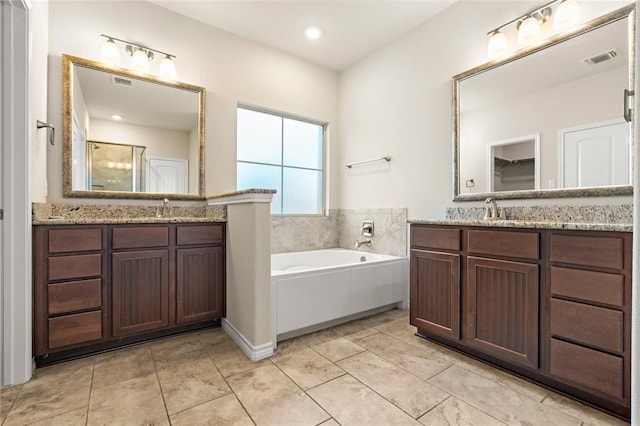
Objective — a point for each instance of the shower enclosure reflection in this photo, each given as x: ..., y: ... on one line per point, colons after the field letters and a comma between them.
x: 115, y: 167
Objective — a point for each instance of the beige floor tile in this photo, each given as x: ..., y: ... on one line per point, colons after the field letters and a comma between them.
x: 124, y: 364
x: 7, y: 398
x: 234, y: 361
x: 504, y: 404
x: 215, y: 341
x: 53, y: 390
x: 524, y: 387
x: 224, y: 411
x: 581, y: 411
x: 175, y: 347
x: 190, y: 381
x: 454, y: 412
x: 307, y: 367
x: 418, y: 362
x: 77, y: 417
x: 133, y: 402
x: 319, y: 337
x: 330, y: 422
x: 401, y: 388
x: 350, y: 402
x: 271, y: 398
x: 402, y: 330
x: 338, y: 349
x: 355, y: 330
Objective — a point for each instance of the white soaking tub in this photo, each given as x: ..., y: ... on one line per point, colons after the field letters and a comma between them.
x: 313, y: 289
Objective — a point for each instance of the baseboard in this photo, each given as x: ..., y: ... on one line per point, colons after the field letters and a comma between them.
x: 254, y: 353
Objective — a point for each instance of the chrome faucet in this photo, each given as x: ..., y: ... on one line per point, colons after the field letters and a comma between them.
x: 362, y: 243
x: 165, y: 209
x: 494, y: 213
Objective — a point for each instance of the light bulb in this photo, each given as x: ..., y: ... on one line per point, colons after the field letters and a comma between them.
x: 140, y: 61
x: 566, y: 16
x: 313, y: 33
x: 110, y: 54
x: 529, y: 31
x: 498, y: 45
x: 127, y: 166
x: 120, y: 165
x: 111, y: 164
x: 167, y: 68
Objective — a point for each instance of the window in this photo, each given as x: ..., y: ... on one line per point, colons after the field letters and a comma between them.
x: 284, y: 154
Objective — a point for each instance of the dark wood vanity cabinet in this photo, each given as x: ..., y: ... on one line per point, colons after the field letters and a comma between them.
x: 97, y: 286
x: 553, y: 306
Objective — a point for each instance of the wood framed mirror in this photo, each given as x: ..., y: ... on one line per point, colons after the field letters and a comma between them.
x: 127, y: 135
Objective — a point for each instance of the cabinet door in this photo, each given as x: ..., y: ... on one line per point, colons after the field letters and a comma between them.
x: 200, y: 284
x: 435, y: 293
x: 140, y: 286
x: 502, y: 309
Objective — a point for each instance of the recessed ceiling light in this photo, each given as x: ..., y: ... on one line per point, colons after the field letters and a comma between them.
x: 313, y: 33
x: 116, y: 117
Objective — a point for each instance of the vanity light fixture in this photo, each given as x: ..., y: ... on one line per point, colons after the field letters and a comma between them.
x: 141, y: 57
x: 116, y: 117
x: 529, y: 25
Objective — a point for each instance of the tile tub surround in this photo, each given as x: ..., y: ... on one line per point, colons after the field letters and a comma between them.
x: 341, y: 229
x: 369, y: 371
x: 71, y: 213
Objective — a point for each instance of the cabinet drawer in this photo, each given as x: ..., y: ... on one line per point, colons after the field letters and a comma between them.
x: 74, y: 329
x: 70, y: 240
x: 80, y: 266
x: 74, y: 296
x: 591, y: 325
x: 437, y: 238
x: 500, y: 243
x: 589, y: 368
x: 138, y: 237
x: 206, y: 234
x: 599, y: 287
x: 599, y: 251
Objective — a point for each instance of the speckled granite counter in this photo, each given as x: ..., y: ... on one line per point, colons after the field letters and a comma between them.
x: 576, y: 226
x: 78, y: 214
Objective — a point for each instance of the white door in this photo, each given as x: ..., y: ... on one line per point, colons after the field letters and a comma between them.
x: 167, y: 175
x: 595, y: 155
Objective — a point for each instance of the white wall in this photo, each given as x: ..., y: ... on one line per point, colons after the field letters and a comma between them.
x: 397, y: 102
x: 38, y: 88
x: 231, y: 69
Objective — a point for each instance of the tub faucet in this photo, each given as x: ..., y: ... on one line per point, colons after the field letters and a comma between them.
x: 362, y: 243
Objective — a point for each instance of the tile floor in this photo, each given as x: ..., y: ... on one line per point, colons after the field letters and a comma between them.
x: 372, y: 371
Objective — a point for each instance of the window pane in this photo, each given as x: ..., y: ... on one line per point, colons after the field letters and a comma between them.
x: 263, y: 177
x: 302, y: 193
x: 259, y: 137
x: 302, y: 144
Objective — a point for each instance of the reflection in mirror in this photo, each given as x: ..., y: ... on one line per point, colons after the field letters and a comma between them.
x: 568, y: 92
x: 129, y: 136
x: 512, y: 164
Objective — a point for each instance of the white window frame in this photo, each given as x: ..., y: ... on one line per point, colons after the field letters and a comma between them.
x: 323, y: 171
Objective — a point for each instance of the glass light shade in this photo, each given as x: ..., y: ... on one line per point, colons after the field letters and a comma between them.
x: 529, y: 31
x: 110, y: 54
x: 140, y: 61
x: 566, y: 16
x: 313, y: 33
x: 498, y: 45
x: 167, y: 68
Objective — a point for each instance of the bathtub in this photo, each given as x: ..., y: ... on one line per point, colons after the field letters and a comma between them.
x: 315, y: 289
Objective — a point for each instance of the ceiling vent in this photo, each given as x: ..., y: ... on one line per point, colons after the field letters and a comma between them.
x: 602, y: 57
x: 121, y: 81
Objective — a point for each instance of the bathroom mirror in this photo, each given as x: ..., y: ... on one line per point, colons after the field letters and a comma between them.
x: 130, y: 136
x: 567, y: 97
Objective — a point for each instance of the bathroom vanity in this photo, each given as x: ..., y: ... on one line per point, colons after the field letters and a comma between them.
x: 547, y: 303
x: 98, y: 286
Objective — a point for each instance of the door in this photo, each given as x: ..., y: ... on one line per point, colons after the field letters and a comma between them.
x: 140, y: 289
x: 199, y: 284
x: 167, y: 175
x: 595, y: 155
x: 502, y: 309
x: 435, y: 293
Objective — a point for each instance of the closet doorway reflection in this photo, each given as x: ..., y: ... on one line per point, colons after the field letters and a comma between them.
x: 115, y: 167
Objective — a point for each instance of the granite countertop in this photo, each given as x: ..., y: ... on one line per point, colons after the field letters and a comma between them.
x: 576, y: 226
x: 59, y: 220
